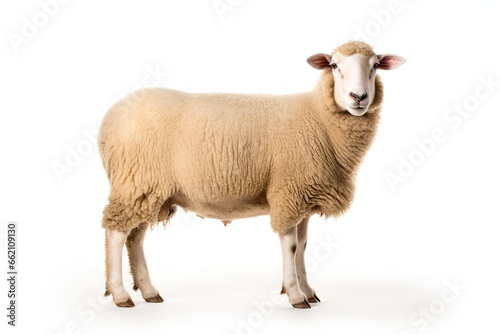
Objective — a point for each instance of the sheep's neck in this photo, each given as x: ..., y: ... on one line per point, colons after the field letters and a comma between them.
x: 351, y: 137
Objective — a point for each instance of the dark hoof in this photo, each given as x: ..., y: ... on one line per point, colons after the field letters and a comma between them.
x: 283, y: 290
x: 313, y: 299
x: 155, y: 299
x: 127, y: 303
x: 303, y: 304
x: 135, y: 287
x: 106, y: 293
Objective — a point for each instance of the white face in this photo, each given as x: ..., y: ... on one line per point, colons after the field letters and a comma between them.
x: 354, y: 76
x: 354, y: 89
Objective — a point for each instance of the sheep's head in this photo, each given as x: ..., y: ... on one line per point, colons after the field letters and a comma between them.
x: 354, y: 66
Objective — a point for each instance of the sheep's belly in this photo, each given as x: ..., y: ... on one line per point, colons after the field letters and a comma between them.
x: 225, y: 210
x: 228, y: 211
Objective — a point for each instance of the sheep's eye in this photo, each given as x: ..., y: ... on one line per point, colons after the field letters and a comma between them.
x: 334, y: 66
x: 376, y: 65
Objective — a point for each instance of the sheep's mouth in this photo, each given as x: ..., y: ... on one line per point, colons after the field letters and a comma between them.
x: 357, y: 110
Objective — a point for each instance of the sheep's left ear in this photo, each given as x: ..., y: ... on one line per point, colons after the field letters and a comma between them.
x: 319, y: 61
x: 389, y: 61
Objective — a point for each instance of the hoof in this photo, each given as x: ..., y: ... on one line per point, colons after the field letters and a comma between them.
x: 303, y: 304
x: 154, y: 299
x: 106, y: 293
x: 313, y: 299
x: 127, y: 303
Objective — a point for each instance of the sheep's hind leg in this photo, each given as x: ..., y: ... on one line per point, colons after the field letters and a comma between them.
x: 138, y: 265
x: 300, y: 262
x: 290, y: 283
x: 114, y: 280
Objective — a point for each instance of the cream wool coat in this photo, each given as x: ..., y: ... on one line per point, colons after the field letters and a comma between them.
x: 230, y: 156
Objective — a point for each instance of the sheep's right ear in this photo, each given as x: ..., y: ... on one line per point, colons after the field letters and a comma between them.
x: 319, y: 61
x: 389, y: 61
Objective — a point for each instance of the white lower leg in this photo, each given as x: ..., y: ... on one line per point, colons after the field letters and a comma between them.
x: 142, y: 279
x: 114, y: 280
x: 300, y: 262
x: 290, y: 282
x: 139, y: 267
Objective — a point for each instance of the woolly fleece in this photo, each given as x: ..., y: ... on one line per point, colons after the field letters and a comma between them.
x: 230, y: 156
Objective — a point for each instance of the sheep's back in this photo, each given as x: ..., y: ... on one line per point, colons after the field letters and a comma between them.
x: 207, y: 146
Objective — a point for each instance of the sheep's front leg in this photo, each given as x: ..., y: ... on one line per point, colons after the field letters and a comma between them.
x: 114, y: 281
x: 138, y: 265
x: 290, y: 282
x: 300, y: 262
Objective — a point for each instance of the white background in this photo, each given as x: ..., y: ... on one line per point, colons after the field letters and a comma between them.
x: 377, y: 269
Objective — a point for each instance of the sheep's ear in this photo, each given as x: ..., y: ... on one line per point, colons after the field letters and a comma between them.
x: 319, y: 61
x: 389, y: 61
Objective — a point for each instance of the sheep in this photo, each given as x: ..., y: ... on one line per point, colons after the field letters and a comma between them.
x: 231, y: 156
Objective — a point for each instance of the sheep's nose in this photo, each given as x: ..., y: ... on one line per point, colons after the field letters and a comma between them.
x: 357, y: 97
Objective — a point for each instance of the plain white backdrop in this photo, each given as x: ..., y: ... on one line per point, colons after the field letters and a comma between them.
x: 418, y: 254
